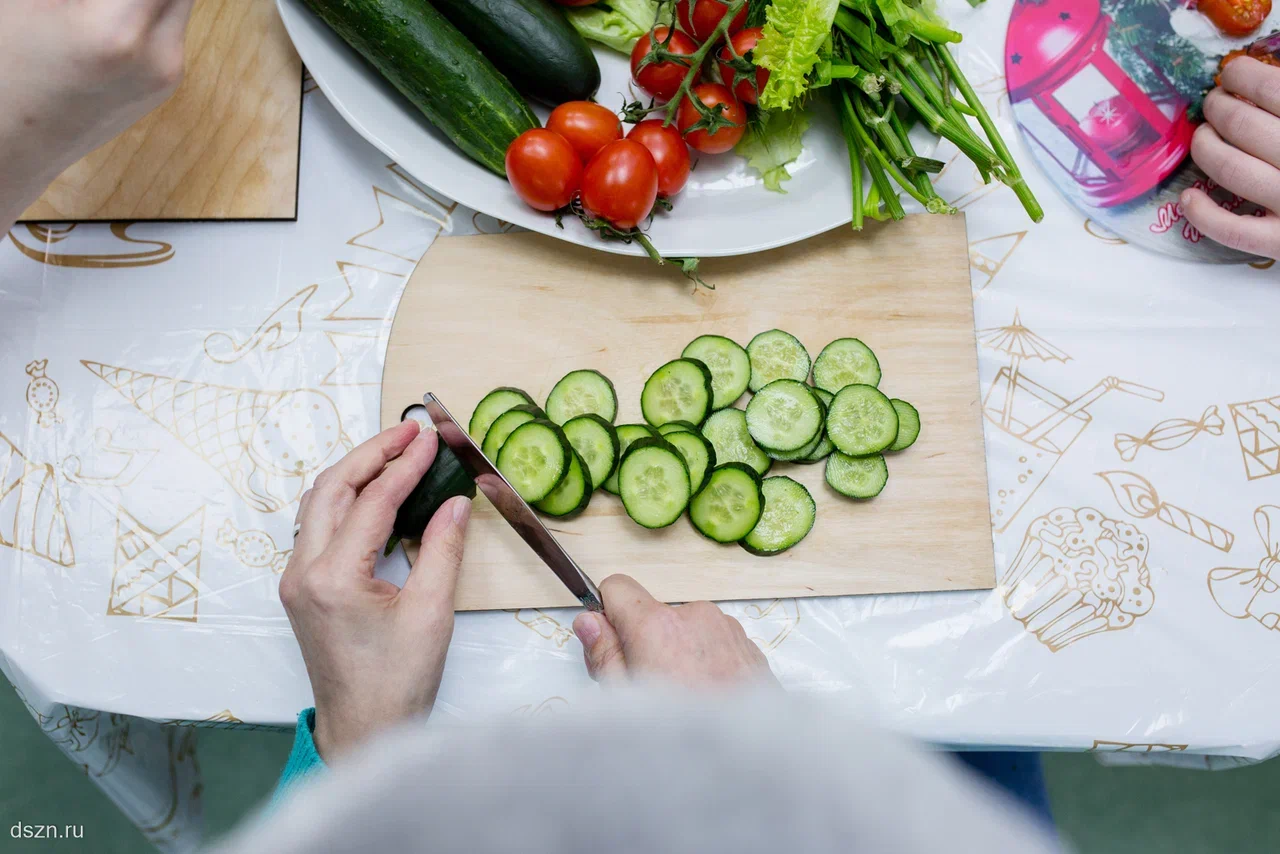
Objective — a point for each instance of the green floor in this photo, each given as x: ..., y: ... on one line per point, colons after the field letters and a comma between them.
x: 1100, y: 809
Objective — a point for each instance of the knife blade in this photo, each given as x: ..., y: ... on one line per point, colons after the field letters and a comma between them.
x: 513, y: 508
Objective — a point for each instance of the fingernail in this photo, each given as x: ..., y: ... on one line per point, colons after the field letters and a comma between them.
x: 461, y: 509
x: 587, y: 628
x: 1185, y: 198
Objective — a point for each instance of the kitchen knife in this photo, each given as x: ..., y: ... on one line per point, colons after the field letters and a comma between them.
x: 513, y: 508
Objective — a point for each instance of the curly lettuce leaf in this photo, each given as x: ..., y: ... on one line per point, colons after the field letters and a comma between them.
x: 795, y: 34
x: 773, y: 140
x: 618, y: 24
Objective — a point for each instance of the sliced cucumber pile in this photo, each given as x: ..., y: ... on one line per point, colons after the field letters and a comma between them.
x: 698, y: 452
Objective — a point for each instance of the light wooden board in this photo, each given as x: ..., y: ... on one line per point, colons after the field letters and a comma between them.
x: 523, y: 310
x: 225, y: 146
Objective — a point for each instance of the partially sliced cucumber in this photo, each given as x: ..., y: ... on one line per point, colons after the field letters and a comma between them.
x: 677, y: 427
x: 729, y: 365
x: 843, y: 362
x: 535, y: 459
x: 502, y: 426
x: 596, y: 441
x: 573, y: 494
x: 729, y: 506
x: 824, y: 443
x: 861, y: 420
x: 491, y: 406
x: 698, y: 453
x: 908, y: 425
x: 653, y: 481
x: 627, y: 433
x: 727, y: 431
x: 789, y: 513
x: 777, y: 355
x: 784, y: 416
x: 857, y: 477
x: 582, y: 392
x: 680, y: 390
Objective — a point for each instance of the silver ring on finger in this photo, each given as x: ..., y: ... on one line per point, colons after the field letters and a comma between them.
x: 297, y: 529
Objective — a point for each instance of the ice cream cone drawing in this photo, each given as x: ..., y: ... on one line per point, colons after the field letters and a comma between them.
x: 156, y: 574
x: 42, y: 394
x: 1078, y: 574
x: 1257, y: 424
x: 263, y: 443
x: 254, y: 549
x: 31, y: 515
x: 1034, y: 425
x: 1253, y: 593
x: 1137, y: 497
x: 1169, y: 435
x: 544, y: 625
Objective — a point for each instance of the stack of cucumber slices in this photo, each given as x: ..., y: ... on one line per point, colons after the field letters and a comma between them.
x: 696, y: 452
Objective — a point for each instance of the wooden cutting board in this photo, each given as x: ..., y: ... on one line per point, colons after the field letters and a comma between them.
x: 225, y: 146
x: 523, y: 310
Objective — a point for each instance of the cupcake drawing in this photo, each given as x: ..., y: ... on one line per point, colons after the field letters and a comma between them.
x: 1077, y: 574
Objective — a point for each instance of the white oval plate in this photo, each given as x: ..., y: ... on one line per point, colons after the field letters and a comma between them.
x: 724, y: 209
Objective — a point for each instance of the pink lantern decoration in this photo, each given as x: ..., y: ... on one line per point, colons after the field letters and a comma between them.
x: 1126, y: 140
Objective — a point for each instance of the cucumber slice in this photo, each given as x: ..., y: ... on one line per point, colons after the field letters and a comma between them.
x: 502, y: 426
x: 627, y: 433
x: 843, y: 362
x: 596, y: 441
x: 857, y: 477
x: 573, y: 494
x: 908, y: 425
x: 728, y: 434
x: 789, y: 513
x: 654, y: 483
x: 729, y: 506
x: 491, y: 406
x: 861, y: 420
x: 444, y: 479
x: 677, y: 427
x: 581, y: 392
x: 698, y: 455
x: 680, y: 390
x: 799, y: 456
x: 825, y: 447
x: 535, y: 458
x: 729, y: 365
x: 777, y: 355
x: 784, y: 416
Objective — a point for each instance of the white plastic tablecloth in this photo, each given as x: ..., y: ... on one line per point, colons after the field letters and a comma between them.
x: 168, y: 391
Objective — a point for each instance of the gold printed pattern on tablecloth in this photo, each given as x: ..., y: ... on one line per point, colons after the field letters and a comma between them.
x: 988, y: 256
x: 977, y: 190
x: 42, y: 394
x: 1103, y: 746
x: 263, y: 443
x: 156, y: 574
x: 253, y: 548
x: 44, y: 237
x: 544, y: 625
x: 1078, y: 574
x: 223, y: 720
x: 184, y: 787
x: 549, y: 706
x: 1257, y: 424
x: 1170, y: 434
x: 280, y: 329
x: 1137, y: 497
x: 1094, y: 230
x: 394, y: 217
x: 131, y: 462
x: 32, y: 519
x: 768, y: 624
x: 1253, y: 593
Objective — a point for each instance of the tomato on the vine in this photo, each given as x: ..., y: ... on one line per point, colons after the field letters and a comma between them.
x: 1235, y: 17
x: 587, y: 125
x: 662, y: 79
x: 699, y: 18
x: 724, y: 138
x: 620, y: 184
x: 543, y: 169
x: 670, y: 154
x: 743, y: 41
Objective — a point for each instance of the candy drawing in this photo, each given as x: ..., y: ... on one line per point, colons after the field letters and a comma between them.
x: 255, y: 549
x: 1170, y: 434
x: 42, y: 394
x: 1137, y: 497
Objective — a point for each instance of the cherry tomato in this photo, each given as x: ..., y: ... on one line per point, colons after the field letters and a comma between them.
x: 588, y: 126
x: 662, y: 79
x: 620, y: 183
x: 1236, y: 17
x: 669, y: 151
x: 699, y: 18
x: 543, y: 169
x: 743, y: 41
x: 724, y: 138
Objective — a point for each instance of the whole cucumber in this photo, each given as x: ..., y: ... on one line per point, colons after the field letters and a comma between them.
x: 433, y: 65
x: 532, y: 43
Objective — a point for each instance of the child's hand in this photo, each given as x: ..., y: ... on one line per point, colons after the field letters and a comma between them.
x: 1238, y: 146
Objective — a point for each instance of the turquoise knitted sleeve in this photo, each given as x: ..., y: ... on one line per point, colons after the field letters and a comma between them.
x: 303, y: 762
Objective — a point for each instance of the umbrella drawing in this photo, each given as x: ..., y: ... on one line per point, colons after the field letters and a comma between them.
x: 1019, y: 343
